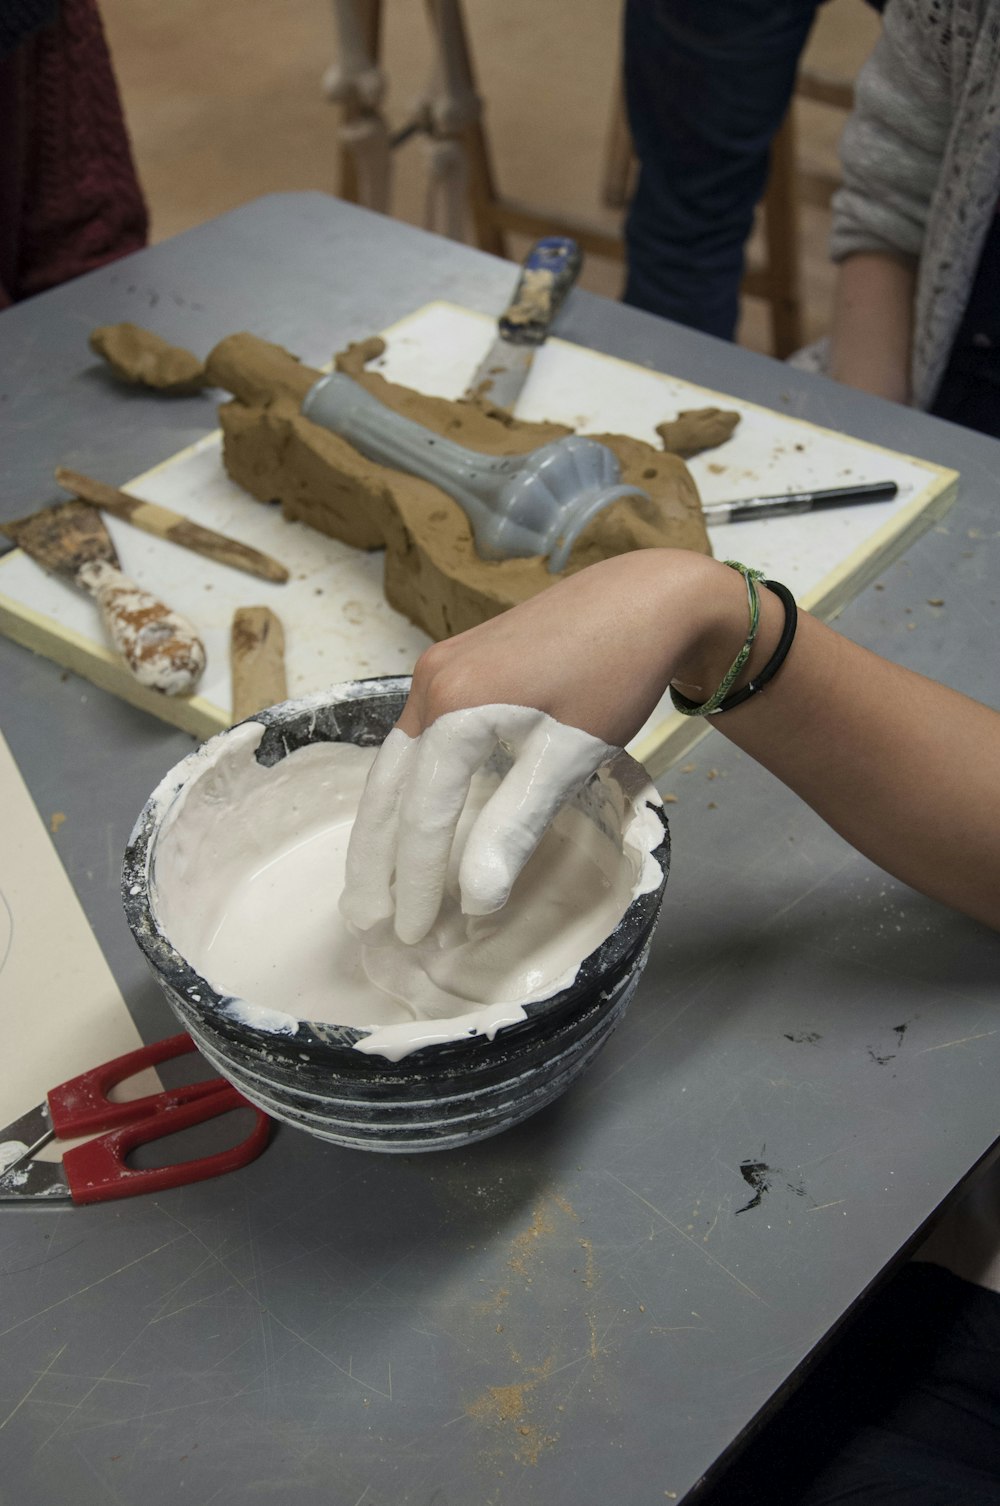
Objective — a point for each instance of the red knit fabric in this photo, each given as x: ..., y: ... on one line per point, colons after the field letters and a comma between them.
x: 75, y: 201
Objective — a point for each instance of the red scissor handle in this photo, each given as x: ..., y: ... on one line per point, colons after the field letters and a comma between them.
x: 97, y: 1172
x: 81, y: 1105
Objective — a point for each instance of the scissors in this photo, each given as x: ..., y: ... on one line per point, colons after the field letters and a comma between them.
x: 97, y: 1172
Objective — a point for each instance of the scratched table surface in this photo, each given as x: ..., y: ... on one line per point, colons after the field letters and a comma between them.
x: 602, y: 1304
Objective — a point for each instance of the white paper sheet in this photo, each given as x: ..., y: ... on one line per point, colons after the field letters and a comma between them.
x: 60, y: 1008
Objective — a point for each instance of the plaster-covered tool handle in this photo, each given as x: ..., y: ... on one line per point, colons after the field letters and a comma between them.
x: 161, y: 647
x: 548, y: 272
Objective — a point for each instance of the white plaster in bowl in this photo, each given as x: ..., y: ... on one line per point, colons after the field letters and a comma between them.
x: 247, y: 869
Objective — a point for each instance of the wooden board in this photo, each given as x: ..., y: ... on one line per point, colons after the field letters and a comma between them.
x: 337, y: 623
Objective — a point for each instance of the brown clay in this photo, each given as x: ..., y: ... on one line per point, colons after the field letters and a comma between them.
x: 137, y: 355
x: 697, y: 429
x: 257, y: 660
x: 433, y: 574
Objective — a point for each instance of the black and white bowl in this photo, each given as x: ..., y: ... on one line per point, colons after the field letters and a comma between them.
x: 440, y: 1096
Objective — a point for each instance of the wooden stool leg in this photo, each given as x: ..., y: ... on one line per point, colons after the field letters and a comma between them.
x: 619, y: 158
x: 781, y: 229
x: 363, y: 46
x: 461, y: 100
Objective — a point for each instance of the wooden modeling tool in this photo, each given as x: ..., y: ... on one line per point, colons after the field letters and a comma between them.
x: 161, y: 648
x: 164, y: 524
x: 257, y: 661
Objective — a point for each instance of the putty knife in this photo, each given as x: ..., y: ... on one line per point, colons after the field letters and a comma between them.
x: 161, y: 648
x: 548, y: 272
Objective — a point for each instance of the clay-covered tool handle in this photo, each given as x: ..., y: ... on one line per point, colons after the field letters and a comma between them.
x: 256, y: 660
x: 161, y: 647
x: 162, y: 523
x: 548, y: 272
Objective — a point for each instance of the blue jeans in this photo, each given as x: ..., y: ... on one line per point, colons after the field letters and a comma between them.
x: 707, y: 84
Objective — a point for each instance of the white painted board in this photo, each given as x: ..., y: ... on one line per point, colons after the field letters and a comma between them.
x: 337, y: 623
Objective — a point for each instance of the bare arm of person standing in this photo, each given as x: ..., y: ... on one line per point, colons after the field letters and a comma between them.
x: 891, y: 153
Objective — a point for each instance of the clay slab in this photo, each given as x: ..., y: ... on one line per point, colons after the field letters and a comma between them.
x: 338, y: 625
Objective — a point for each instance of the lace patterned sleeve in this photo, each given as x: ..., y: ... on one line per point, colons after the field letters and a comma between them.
x: 895, y: 137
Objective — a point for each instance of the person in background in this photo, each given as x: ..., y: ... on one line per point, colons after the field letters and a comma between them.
x: 70, y: 200
x: 915, y: 226
x: 707, y: 85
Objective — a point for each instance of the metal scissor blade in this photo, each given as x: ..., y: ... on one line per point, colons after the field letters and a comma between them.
x: 31, y: 1126
x: 38, y: 1181
x: 20, y: 1140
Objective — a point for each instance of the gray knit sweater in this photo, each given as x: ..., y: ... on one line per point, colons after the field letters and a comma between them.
x: 921, y: 160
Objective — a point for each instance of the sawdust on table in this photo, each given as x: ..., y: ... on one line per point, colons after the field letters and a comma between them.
x: 508, y: 1408
x: 519, y: 1412
x: 565, y: 1206
x: 524, y: 1244
x: 494, y: 1304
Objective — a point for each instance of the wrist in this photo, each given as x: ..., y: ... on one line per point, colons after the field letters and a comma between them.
x: 716, y: 608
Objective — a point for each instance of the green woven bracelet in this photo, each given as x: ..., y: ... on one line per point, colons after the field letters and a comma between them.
x: 689, y: 708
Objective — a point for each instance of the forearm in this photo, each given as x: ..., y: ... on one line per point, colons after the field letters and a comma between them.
x: 872, y: 324
x: 907, y: 770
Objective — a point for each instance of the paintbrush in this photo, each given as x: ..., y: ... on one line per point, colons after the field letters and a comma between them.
x: 164, y: 524
x: 161, y: 648
x: 745, y: 508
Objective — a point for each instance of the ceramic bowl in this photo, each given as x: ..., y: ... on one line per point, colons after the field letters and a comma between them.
x: 438, y: 1097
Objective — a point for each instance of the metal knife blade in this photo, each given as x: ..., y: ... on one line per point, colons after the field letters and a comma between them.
x: 502, y: 373
x: 548, y: 272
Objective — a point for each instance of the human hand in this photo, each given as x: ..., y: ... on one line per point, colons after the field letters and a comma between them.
x: 563, y: 681
x: 413, y: 802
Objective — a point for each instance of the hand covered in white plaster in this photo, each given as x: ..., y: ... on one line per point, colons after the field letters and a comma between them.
x: 563, y: 680
x: 414, y: 799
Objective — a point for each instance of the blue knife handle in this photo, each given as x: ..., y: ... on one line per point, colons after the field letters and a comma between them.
x: 548, y: 272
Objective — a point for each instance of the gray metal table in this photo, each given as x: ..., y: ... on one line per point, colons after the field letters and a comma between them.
x: 584, y: 1309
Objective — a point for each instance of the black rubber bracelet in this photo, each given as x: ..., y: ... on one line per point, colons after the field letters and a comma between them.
x: 780, y: 654
x: 773, y: 664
